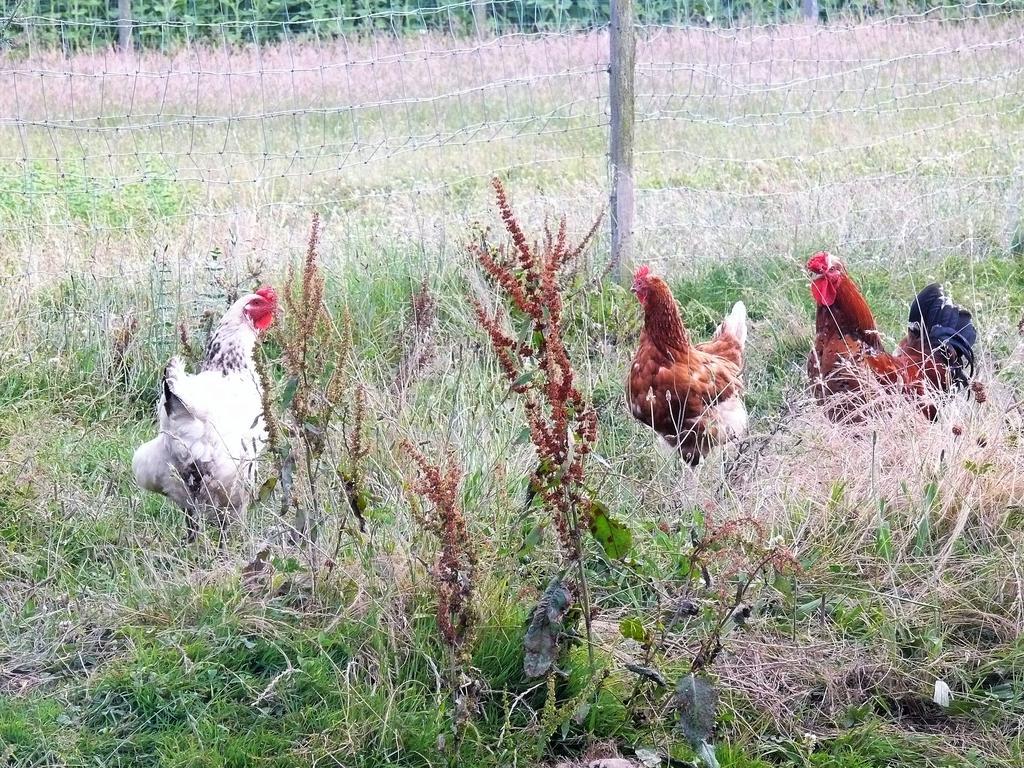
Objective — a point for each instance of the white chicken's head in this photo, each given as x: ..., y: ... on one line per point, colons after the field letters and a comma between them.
x: 255, y: 310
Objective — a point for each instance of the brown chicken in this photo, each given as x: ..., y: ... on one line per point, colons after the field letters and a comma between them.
x: 848, y: 363
x: 690, y: 394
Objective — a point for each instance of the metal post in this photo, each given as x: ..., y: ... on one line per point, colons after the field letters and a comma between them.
x: 810, y: 10
x: 124, y: 24
x: 622, y: 57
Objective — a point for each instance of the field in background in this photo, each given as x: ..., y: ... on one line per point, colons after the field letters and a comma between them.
x: 137, y: 191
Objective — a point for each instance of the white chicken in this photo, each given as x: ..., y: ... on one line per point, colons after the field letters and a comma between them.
x: 212, y: 426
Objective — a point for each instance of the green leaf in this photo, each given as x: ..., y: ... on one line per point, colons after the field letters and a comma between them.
x: 533, y: 537
x: 290, y: 388
x: 614, y: 537
x: 698, y: 520
x: 581, y: 713
x: 633, y: 629
x: 526, y: 333
x: 883, y: 541
x: 696, y: 701
x: 362, y: 501
x: 806, y: 609
x: 266, y: 489
x: 685, y: 569
x: 836, y: 494
x: 923, y: 539
x: 525, y: 378
x: 979, y: 468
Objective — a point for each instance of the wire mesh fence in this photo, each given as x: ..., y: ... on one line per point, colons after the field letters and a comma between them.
x: 199, y: 126
x: 895, y: 136
x: 216, y: 126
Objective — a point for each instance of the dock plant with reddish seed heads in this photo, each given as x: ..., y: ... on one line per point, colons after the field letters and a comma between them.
x: 419, y: 348
x: 306, y: 320
x: 456, y: 564
x: 190, y: 351
x: 454, y: 575
x: 318, y: 394
x: 562, y: 424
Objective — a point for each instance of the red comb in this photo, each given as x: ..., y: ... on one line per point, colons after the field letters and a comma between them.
x: 817, y: 259
x: 642, y: 272
x: 268, y: 293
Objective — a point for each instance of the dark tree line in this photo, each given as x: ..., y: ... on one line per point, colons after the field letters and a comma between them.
x: 84, y: 24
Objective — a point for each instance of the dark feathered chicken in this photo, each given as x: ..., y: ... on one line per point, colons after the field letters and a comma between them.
x: 940, y: 339
x: 849, y: 362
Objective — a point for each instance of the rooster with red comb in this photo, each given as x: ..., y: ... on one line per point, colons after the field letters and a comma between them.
x: 690, y: 394
x: 849, y: 362
x: 211, y: 423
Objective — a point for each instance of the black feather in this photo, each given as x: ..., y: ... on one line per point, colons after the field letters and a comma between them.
x: 947, y: 327
x: 171, y: 401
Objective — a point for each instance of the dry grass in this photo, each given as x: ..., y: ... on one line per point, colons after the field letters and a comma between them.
x: 898, y: 139
x: 897, y: 145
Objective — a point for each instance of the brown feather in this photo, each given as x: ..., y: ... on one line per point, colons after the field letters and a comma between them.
x: 674, y: 386
x: 849, y: 365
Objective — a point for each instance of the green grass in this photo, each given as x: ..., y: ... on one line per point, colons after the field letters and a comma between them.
x: 119, y: 646
x: 132, y: 651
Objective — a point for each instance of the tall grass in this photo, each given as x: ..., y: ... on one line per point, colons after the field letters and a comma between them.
x: 395, y: 636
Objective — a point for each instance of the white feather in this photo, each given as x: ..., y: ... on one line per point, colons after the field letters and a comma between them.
x: 735, y: 323
x: 217, y: 426
x: 942, y: 695
x: 732, y: 415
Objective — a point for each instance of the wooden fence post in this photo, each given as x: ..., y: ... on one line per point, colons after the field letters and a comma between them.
x: 124, y: 24
x: 622, y: 59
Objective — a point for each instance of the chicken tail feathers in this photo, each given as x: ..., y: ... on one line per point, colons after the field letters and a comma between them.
x: 735, y: 323
x: 170, y: 401
x: 948, y: 327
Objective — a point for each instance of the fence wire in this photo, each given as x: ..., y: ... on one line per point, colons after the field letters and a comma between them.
x: 893, y: 132
x: 897, y: 136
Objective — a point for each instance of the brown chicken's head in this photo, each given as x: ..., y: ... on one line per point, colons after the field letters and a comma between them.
x: 642, y: 284
x: 261, y: 308
x: 826, y: 272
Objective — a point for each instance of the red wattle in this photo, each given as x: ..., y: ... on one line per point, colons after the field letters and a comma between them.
x: 823, y: 291
x: 263, y: 321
